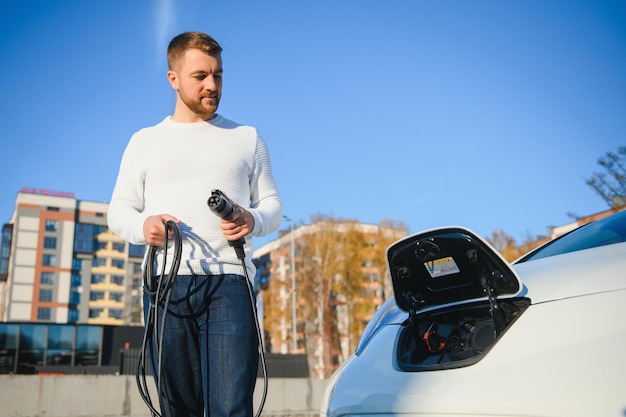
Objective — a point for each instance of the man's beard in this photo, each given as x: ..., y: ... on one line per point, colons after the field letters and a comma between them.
x: 196, y: 106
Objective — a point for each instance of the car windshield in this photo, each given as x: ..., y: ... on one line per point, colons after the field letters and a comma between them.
x: 602, y: 232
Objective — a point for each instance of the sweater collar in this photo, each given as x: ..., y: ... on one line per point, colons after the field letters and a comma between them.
x: 216, y: 121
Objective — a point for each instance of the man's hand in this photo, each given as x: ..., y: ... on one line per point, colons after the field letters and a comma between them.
x: 154, y: 229
x: 241, y: 223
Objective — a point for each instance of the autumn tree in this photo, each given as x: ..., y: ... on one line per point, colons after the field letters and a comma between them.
x: 325, y: 253
x: 610, y: 184
x: 339, y: 287
x: 509, y: 248
x: 505, y: 244
x: 389, y: 231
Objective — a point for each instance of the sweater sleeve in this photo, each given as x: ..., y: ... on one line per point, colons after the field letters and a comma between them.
x: 265, y: 204
x: 126, y: 209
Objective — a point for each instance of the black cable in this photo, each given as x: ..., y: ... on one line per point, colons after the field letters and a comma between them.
x: 158, y: 289
x: 241, y: 255
x: 163, y: 292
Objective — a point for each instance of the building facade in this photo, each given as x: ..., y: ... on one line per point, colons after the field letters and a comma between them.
x: 59, y: 263
x: 326, y: 280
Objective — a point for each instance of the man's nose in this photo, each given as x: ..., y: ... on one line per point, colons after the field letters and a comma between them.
x: 209, y: 83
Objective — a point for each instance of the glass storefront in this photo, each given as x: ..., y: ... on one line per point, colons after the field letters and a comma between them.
x: 26, y: 346
x: 9, y: 334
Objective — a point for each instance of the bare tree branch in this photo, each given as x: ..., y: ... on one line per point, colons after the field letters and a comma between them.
x: 611, y: 184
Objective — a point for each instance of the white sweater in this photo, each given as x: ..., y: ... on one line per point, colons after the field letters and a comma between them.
x: 171, y: 168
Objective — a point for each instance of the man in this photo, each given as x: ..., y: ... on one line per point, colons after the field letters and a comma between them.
x: 210, y: 353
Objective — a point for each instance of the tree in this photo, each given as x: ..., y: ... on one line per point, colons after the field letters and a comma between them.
x: 339, y: 286
x: 611, y: 184
x: 320, y: 264
x: 508, y: 247
x: 388, y: 232
x: 505, y: 244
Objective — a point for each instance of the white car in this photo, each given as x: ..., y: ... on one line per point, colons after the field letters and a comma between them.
x: 469, y: 334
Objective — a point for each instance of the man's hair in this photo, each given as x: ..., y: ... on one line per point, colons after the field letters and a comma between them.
x: 191, y: 40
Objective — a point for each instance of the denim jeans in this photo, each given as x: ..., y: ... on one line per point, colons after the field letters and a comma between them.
x: 210, y: 351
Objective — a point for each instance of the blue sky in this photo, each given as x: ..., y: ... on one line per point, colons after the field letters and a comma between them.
x: 484, y: 114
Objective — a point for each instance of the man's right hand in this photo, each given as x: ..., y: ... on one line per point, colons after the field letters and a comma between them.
x: 154, y: 229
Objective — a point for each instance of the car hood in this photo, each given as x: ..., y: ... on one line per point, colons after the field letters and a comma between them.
x: 447, y: 265
x: 574, y: 274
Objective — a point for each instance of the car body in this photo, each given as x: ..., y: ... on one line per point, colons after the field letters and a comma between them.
x: 469, y: 334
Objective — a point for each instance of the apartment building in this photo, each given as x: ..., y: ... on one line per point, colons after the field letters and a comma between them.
x: 59, y: 263
x: 302, y: 313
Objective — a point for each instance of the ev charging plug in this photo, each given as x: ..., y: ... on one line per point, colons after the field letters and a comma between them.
x: 223, y: 208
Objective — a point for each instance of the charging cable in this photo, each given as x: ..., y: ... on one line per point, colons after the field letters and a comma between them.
x: 221, y: 206
x: 158, y: 288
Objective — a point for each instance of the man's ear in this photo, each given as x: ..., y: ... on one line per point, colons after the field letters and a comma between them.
x: 172, y: 77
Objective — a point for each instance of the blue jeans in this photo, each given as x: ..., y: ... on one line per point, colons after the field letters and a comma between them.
x: 210, y: 348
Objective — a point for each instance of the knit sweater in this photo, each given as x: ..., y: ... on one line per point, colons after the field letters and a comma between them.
x: 171, y: 168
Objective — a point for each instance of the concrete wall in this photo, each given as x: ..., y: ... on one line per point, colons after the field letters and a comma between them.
x: 112, y: 396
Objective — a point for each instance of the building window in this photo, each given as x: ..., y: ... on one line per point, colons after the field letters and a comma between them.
x: 117, y: 279
x: 74, y: 297
x: 60, y: 344
x: 98, y: 230
x: 118, y: 263
x: 50, y: 242
x: 52, y: 225
x: 77, y: 264
x: 32, y: 343
x: 95, y: 313
x: 49, y: 260
x: 116, y: 296
x: 5, y: 250
x: 99, y: 262
x: 115, y: 314
x: 73, y: 315
x: 44, y: 313
x: 136, y: 283
x: 97, y: 245
x: 88, y: 342
x: 9, y: 336
x: 77, y: 280
x: 45, y: 295
x: 136, y: 251
x: 83, y: 238
x: 119, y: 247
x: 98, y: 279
x: 47, y: 278
x: 96, y: 295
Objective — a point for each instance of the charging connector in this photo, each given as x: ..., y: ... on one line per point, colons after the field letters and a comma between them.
x: 221, y: 206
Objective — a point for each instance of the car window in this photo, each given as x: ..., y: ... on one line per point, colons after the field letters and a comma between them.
x: 602, y: 232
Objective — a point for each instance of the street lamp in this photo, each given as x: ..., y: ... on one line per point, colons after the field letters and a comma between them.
x: 294, y: 342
